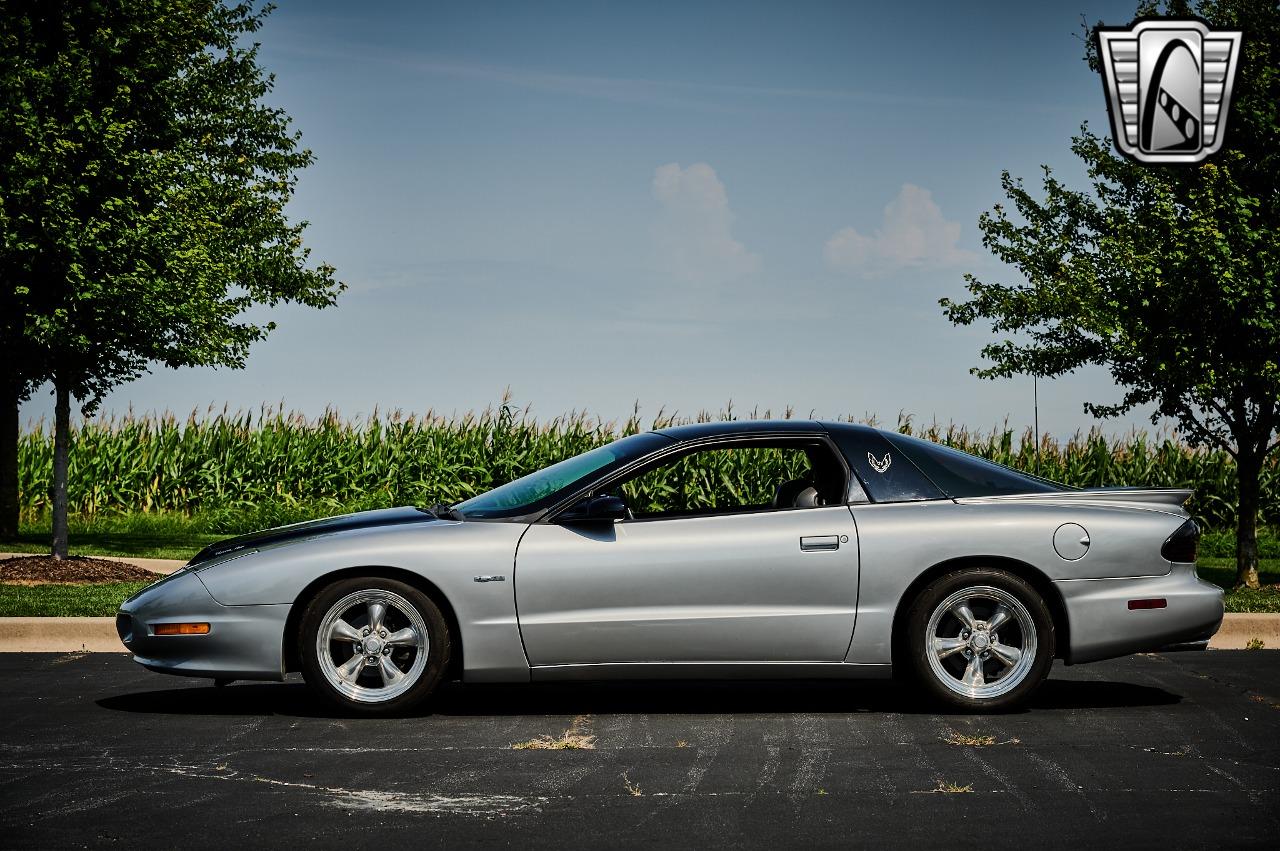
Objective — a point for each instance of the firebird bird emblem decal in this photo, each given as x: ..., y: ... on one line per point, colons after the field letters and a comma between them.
x: 878, y: 465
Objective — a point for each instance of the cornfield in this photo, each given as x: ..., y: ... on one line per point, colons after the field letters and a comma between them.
x: 285, y: 464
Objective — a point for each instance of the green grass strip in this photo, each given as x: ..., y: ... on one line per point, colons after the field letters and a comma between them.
x: 1222, y: 572
x: 65, y: 601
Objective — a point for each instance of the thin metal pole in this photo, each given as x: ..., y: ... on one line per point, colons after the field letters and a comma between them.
x: 1035, y: 396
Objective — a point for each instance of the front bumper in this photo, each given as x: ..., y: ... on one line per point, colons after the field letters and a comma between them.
x: 1100, y: 624
x: 243, y: 642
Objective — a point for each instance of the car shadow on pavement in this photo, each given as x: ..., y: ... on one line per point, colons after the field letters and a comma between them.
x: 652, y: 697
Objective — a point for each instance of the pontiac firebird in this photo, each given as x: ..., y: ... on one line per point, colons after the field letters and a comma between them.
x: 878, y: 554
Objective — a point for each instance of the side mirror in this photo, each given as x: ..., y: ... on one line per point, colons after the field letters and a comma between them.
x: 603, y: 507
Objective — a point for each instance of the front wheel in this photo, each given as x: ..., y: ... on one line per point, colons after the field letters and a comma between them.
x: 373, y: 646
x: 980, y: 639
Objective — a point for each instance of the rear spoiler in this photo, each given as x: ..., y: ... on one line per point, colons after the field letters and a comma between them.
x: 1148, y: 496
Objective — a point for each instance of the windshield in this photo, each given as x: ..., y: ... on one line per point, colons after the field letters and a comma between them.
x: 959, y: 474
x: 542, y: 489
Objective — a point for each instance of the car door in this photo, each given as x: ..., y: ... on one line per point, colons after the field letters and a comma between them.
x: 766, y: 586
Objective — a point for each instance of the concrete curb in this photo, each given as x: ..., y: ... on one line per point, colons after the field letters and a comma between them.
x: 1239, y: 629
x: 98, y: 635
x: 59, y: 635
x: 155, y: 565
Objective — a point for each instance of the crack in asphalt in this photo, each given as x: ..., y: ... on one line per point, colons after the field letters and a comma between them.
x: 362, y: 799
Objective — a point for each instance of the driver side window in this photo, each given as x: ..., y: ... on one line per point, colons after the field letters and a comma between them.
x: 738, y: 478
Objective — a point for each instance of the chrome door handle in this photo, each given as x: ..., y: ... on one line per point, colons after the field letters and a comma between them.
x: 810, y: 543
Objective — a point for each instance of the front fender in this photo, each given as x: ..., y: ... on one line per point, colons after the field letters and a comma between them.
x: 448, y: 555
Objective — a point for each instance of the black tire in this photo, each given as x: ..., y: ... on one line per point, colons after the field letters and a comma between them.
x: 367, y: 692
x: 964, y: 678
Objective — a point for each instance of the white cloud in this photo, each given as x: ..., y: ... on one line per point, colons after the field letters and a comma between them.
x: 692, y: 238
x: 914, y: 235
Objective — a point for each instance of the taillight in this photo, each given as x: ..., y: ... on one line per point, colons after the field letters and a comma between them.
x: 1183, y: 544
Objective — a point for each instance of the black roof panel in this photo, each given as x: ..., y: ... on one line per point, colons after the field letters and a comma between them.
x: 695, y: 431
x: 850, y: 428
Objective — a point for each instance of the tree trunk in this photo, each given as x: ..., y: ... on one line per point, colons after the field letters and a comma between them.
x: 61, y: 449
x: 8, y: 461
x: 1249, y: 469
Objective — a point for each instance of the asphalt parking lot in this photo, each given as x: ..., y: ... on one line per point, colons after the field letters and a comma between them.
x: 1180, y: 750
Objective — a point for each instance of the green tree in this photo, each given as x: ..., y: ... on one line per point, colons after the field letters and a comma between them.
x: 20, y: 372
x: 143, y: 184
x: 1165, y: 275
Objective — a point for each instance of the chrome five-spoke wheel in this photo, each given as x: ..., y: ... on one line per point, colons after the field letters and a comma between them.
x: 980, y: 638
x: 373, y: 645
x: 983, y: 642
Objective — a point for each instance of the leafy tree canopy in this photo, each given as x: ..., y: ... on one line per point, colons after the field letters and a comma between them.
x: 145, y: 183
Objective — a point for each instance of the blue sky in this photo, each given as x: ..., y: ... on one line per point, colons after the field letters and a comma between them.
x: 677, y: 204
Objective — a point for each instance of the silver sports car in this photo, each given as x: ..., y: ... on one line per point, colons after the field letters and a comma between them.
x: 837, y: 550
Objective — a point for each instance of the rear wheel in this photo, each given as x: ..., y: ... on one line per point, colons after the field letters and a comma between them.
x: 980, y: 639
x: 373, y: 646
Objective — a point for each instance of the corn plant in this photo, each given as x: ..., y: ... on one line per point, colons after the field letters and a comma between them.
x: 279, y: 466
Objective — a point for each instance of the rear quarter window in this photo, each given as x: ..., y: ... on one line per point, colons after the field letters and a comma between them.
x: 959, y: 474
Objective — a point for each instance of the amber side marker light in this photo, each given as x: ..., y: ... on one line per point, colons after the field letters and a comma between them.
x: 1153, y: 603
x: 181, y: 629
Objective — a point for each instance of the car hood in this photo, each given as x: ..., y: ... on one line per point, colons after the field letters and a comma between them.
x: 312, y: 528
